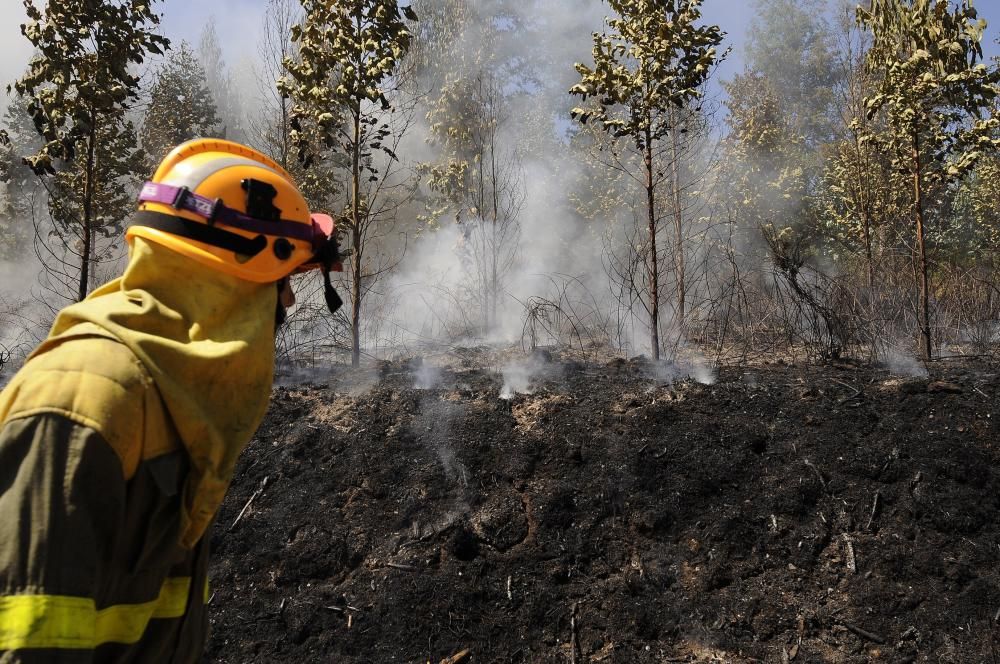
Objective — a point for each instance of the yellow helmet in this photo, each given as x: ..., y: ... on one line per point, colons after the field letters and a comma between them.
x: 231, y: 208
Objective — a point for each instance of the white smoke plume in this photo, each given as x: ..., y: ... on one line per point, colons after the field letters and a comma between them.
x: 694, y: 367
x: 517, y: 377
x: 902, y: 364
x: 427, y: 376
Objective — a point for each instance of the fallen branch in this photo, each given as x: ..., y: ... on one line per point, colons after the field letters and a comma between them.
x: 875, y: 502
x: 424, y: 538
x: 864, y: 634
x: 341, y: 609
x: 260, y: 490
x: 572, y: 635
x: 408, y: 568
x: 852, y: 562
x: 457, y: 657
x: 822, y: 480
x: 857, y: 391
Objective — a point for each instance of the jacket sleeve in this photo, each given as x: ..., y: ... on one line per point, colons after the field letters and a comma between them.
x: 62, y: 493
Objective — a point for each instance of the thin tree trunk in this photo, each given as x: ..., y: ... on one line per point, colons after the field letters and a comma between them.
x: 482, y: 270
x: 864, y: 203
x: 284, y: 135
x: 494, y: 277
x: 866, y: 226
x: 679, y: 231
x: 88, y: 214
x: 356, y: 237
x: 925, y: 325
x: 653, y: 273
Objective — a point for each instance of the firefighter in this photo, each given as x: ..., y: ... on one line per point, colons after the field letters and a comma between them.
x: 119, y: 435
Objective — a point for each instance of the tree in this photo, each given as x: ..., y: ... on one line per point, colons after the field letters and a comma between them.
x: 79, y: 87
x: 226, y: 96
x: 111, y: 191
x: 858, y: 199
x: 653, y: 62
x: 763, y: 168
x: 348, y: 54
x: 475, y: 177
x: 7, y: 219
x: 270, y: 127
x: 480, y: 180
x: 933, y: 92
x: 789, y: 42
x: 22, y: 191
x: 977, y: 209
x: 180, y: 105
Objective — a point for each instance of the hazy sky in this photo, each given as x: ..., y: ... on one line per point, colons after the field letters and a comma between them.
x: 239, y: 21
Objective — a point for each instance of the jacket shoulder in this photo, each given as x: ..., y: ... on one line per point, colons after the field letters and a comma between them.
x: 95, y: 381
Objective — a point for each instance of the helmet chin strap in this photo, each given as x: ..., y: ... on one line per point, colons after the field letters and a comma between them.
x: 333, y: 299
x: 280, y: 314
x: 212, y: 235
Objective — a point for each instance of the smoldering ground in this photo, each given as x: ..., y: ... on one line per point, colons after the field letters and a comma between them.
x: 410, y: 525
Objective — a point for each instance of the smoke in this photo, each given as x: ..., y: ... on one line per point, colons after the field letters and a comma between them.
x: 517, y: 377
x: 694, y: 367
x: 555, y: 289
x: 433, y: 426
x: 700, y: 369
x: 902, y: 364
x: 426, y: 376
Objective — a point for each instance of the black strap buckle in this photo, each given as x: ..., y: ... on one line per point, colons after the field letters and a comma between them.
x: 180, y: 197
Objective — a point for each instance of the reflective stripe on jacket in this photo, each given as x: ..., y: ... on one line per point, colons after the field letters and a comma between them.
x: 92, y: 479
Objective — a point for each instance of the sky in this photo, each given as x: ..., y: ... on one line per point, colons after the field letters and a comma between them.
x: 238, y: 22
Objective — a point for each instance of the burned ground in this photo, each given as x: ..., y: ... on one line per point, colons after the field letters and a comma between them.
x: 804, y: 514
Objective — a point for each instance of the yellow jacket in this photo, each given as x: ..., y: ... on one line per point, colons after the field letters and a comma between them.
x: 117, y: 443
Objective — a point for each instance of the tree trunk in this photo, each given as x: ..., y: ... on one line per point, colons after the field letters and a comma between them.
x: 679, y: 231
x: 357, y: 243
x: 653, y: 273
x: 866, y: 225
x: 285, y: 130
x: 864, y: 196
x: 88, y: 213
x: 494, y: 276
x: 918, y: 200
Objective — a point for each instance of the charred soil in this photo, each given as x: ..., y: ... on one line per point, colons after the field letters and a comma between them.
x: 782, y: 514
